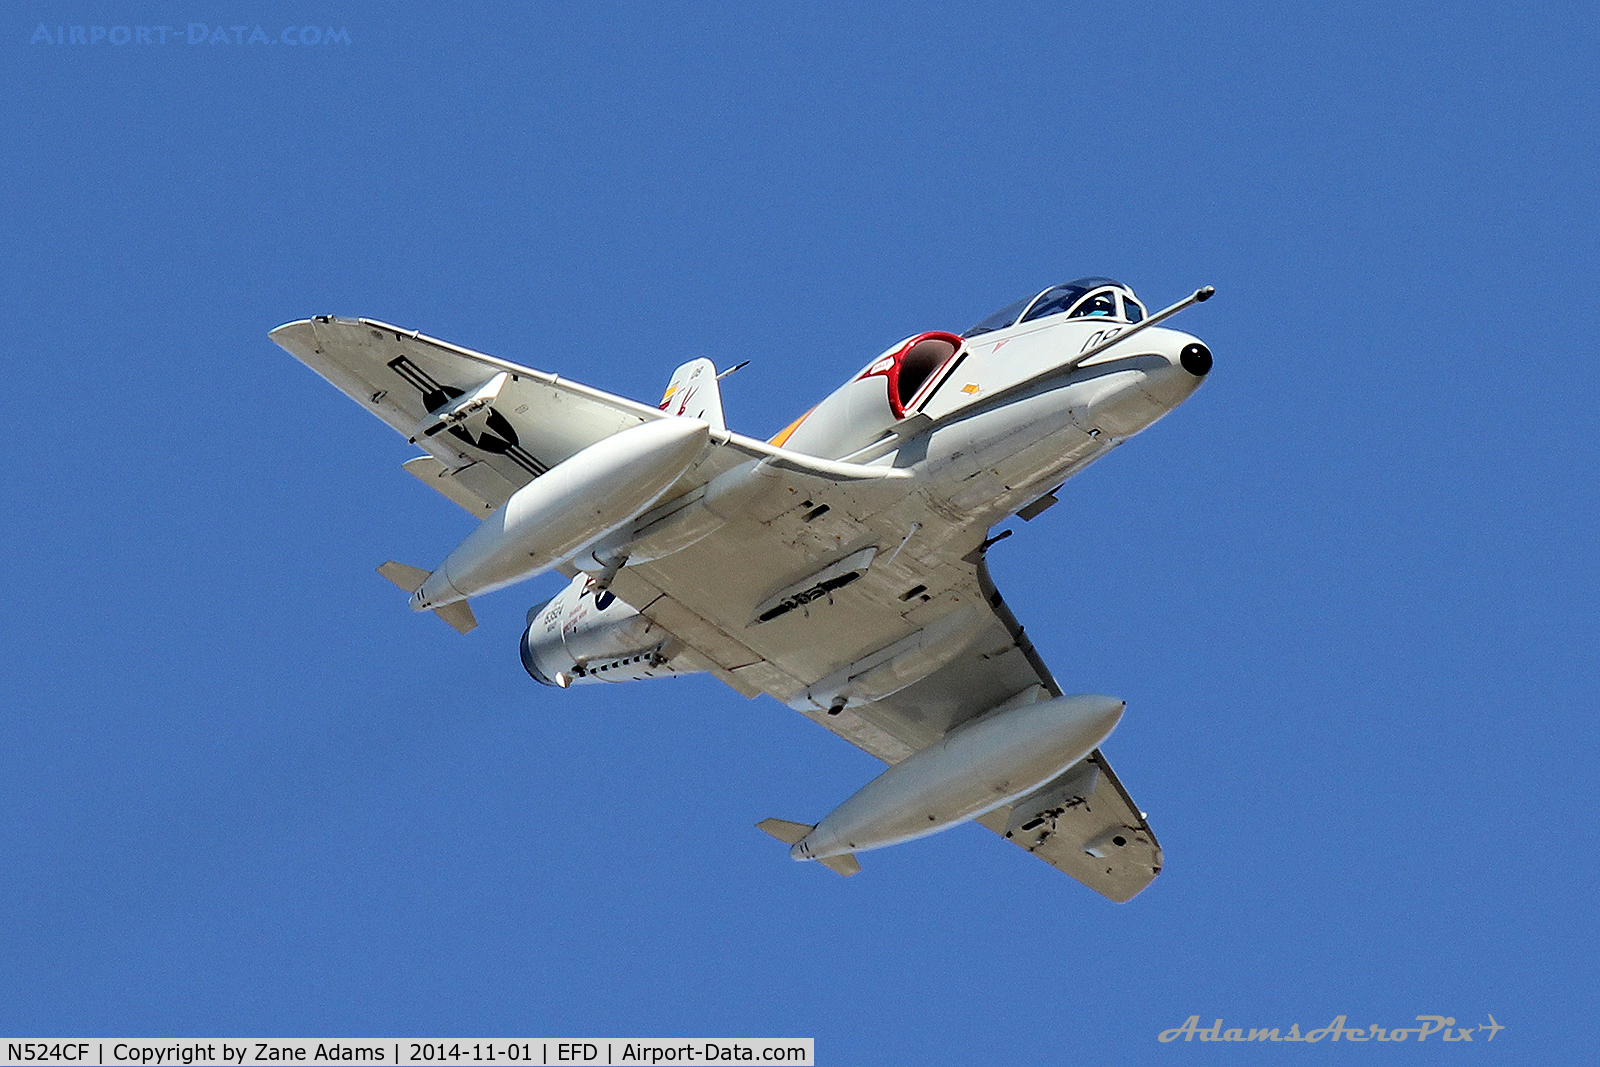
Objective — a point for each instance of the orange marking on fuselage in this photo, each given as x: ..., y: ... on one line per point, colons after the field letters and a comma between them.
x: 783, y: 434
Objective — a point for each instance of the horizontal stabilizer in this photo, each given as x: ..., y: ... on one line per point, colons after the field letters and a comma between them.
x: 408, y: 578
x: 788, y: 832
x: 846, y: 864
x: 459, y: 616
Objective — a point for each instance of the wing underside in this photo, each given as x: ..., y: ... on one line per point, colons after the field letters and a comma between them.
x: 888, y: 632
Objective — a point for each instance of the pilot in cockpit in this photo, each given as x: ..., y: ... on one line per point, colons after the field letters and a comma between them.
x: 1084, y: 298
x: 1100, y: 304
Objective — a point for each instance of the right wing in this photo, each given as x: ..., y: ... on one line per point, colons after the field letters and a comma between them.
x: 488, y: 426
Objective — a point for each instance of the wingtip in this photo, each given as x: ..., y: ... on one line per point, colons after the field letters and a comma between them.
x: 285, y: 333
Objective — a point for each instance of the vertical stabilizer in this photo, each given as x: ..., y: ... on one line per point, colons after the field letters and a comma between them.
x: 694, y: 392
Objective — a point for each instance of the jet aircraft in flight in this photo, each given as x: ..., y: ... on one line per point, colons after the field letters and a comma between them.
x: 838, y: 567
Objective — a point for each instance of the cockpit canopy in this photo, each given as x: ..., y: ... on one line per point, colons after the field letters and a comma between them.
x: 1083, y: 298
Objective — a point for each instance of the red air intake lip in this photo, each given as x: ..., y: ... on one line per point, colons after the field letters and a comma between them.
x: 913, y: 366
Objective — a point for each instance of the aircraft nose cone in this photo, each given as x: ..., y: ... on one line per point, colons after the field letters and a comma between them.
x: 1196, y: 359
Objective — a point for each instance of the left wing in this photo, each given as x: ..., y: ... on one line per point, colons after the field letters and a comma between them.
x: 862, y: 610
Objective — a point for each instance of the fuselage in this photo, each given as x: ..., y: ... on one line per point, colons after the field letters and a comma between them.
x: 983, y: 425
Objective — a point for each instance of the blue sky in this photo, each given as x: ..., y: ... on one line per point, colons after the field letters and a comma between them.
x: 1347, y: 590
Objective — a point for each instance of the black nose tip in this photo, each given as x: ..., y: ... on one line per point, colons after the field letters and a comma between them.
x: 1196, y: 359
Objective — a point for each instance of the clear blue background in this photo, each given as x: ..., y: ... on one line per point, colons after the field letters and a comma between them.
x: 1347, y: 590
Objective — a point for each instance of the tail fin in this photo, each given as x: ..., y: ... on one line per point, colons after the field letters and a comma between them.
x: 458, y: 615
x: 694, y: 392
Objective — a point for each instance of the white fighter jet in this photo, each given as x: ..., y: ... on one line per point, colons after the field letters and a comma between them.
x: 838, y: 567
